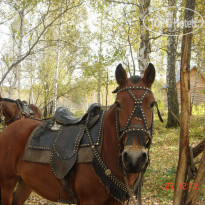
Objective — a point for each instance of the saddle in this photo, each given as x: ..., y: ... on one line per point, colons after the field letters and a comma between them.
x: 66, y: 117
x: 63, y: 135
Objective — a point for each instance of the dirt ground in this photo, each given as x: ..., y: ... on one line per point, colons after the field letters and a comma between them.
x: 34, y: 199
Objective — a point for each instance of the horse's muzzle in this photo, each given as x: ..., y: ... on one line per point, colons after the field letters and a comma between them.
x: 134, y: 161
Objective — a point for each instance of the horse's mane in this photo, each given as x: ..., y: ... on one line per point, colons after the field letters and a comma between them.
x: 7, y: 100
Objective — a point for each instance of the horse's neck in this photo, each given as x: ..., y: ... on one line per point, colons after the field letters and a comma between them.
x: 110, y: 149
x: 10, y: 110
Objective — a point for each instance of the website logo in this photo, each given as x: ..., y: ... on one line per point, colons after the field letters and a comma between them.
x: 169, y: 21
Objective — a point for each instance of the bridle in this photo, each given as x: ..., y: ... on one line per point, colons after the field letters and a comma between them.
x: 139, y: 113
x: 135, y: 130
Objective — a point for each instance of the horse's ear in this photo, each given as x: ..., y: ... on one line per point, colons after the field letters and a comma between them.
x: 149, y: 75
x: 120, y: 75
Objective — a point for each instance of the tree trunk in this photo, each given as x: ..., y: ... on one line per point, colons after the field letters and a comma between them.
x: 195, y: 86
x: 17, y: 77
x: 144, y: 49
x: 173, y: 106
x: 185, y: 107
x: 100, y: 61
x: 99, y: 77
x: 131, y: 53
x: 31, y: 97
x: 55, y: 88
x: 107, y: 84
x: 13, y: 84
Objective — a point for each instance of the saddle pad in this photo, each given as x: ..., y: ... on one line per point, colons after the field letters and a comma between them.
x: 42, y: 138
x: 66, y: 139
x: 85, y: 155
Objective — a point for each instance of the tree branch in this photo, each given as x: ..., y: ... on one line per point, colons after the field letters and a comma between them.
x: 199, y: 148
x: 36, y: 42
x: 121, y: 2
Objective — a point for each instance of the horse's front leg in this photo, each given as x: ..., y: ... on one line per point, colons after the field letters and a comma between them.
x: 89, y: 189
x: 22, y: 193
x: 7, y: 190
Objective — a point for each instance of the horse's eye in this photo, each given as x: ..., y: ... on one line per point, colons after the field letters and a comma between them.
x: 117, y: 104
x: 152, y: 104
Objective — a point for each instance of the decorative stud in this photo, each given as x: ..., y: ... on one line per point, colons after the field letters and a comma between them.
x: 108, y: 172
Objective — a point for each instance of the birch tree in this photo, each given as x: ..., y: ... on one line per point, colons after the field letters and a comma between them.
x: 173, y: 107
x: 99, y: 64
x: 20, y: 34
x: 57, y: 63
x: 144, y: 47
x: 38, y: 27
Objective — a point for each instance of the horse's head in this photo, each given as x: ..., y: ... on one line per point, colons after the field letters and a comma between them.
x: 8, y: 111
x: 134, y: 117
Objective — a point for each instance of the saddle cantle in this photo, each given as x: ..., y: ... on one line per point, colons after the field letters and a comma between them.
x: 65, y: 142
x: 66, y: 117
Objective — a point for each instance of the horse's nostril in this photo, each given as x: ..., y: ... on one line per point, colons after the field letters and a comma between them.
x: 125, y: 155
x: 144, y: 155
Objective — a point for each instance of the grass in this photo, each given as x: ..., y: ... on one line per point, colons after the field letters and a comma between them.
x: 164, y: 158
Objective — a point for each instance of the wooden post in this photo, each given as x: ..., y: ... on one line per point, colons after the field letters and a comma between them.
x: 185, y: 106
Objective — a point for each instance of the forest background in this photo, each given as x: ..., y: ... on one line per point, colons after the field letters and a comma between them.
x: 67, y: 51
x: 64, y: 53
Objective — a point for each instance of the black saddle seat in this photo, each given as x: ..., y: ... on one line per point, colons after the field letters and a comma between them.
x: 66, y: 117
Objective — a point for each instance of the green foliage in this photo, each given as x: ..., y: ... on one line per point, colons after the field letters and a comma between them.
x: 79, y: 113
x: 198, y: 109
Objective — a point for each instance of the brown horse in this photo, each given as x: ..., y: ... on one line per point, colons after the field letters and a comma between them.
x: 122, y: 149
x: 12, y: 110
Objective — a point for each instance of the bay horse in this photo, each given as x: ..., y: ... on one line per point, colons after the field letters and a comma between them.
x: 12, y: 110
x: 127, y: 132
